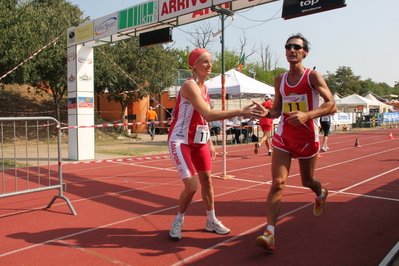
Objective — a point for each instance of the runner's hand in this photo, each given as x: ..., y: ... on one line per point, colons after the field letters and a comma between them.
x: 297, y: 118
x: 259, y: 110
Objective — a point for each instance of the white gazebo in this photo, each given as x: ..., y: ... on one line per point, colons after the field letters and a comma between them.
x: 238, y: 85
x: 384, y: 108
x: 350, y: 103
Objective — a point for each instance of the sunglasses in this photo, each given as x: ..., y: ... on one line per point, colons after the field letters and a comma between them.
x: 293, y: 45
x: 208, y: 62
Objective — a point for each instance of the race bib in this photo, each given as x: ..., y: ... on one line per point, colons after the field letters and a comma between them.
x: 325, y: 118
x: 295, y: 103
x: 202, y: 134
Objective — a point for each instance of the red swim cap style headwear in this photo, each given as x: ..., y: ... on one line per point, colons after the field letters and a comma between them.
x: 194, y: 55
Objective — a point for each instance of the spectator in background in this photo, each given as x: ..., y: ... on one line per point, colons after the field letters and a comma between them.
x: 151, y: 117
x: 239, y: 130
x: 234, y: 127
x: 266, y: 124
x: 325, y: 123
x: 229, y: 128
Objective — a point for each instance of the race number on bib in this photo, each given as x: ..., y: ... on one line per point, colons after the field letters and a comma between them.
x: 295, y: 103
x: 202, y: 134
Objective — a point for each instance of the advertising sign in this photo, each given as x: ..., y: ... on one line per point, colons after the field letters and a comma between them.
x: 71, y: 103
x: 201, y: 14
x: 106, y: 26
x: 85, y: 102
x: 84, y: 69
x: 81, y: 33
x: 208, y: 13
x: 298, y: 8
x: 390, y: 117
x: 342, y: 119
x: 172, y: 8
x: 139, y: 15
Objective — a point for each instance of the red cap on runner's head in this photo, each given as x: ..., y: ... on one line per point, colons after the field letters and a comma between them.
x: 194, y: 55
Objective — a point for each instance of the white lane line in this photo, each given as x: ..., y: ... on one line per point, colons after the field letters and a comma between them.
x: 173, y: 207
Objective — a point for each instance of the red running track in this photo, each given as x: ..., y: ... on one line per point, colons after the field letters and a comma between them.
x: 125, y: 210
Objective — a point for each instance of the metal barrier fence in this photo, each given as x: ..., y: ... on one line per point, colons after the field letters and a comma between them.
x: 30, y: 147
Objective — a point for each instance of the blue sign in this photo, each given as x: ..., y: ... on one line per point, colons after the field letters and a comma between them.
x: 390, y: 117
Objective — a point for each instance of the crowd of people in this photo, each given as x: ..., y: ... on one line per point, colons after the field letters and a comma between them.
x: 296, y: 103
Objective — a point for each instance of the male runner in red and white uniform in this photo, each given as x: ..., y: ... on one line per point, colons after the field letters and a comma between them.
x: 297, y: 101
x: 189, y: 140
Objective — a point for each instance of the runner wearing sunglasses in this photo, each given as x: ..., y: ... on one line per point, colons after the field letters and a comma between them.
x: 297, y: 102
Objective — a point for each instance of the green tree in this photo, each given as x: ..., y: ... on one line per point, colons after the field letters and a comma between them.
x: 231, y: 59
x: 368, y: 85
x: 152, y: 70
x: 183, y: 58
x: 12, y: 39
x: 36, y: 23
x: 257, y: 71
x: 384, y: 88
x: 343, y: 81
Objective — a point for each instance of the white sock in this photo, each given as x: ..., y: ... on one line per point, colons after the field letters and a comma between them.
x: 270, y: 228
x: 211, y: 215
x: 320, y: 197
x: 180, y: 216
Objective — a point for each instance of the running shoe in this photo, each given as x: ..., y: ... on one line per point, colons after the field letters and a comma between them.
x: 217, y: 227
x: 324, y: 148
x: 257, y: 146
x: 320, y: 206
x: 265, y: 241
x: 270, y: 152
x: 175, y: 231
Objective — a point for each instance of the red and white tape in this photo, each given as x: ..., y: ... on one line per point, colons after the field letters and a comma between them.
x: 119, y: 124
x: 123, y: 160
x: 30, y: 57
x: 43, y: 112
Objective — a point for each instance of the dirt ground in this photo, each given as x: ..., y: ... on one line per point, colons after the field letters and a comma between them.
x: 143, y: 145
x: 30, y: 153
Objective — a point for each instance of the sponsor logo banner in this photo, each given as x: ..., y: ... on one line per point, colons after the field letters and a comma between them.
x: 137, y: 16
x: 85, y: 102
x: 106, y: 26
x: 342, y: 119
x: 298, y: 8
x: 71, y: 103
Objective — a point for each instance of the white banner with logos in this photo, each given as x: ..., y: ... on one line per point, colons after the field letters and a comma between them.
x: 342, y: 119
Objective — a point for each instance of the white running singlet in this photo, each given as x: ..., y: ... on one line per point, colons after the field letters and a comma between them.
x: 188, y: 126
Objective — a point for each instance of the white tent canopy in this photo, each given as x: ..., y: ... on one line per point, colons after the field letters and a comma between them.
x: 238, y: 84
x: 353, y: 101
x: 336, y: 97
x: 383, y: 106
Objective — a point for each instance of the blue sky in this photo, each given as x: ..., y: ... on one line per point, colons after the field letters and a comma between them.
x: 363, y: 35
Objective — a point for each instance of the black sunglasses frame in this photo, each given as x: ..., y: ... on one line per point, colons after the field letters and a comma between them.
x: 296, y: 46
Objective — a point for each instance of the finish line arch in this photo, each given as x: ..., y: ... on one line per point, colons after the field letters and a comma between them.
x: 130, y: 22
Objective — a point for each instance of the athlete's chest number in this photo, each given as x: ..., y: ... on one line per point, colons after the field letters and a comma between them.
x: 201, y: 134
x: 295, y: 103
